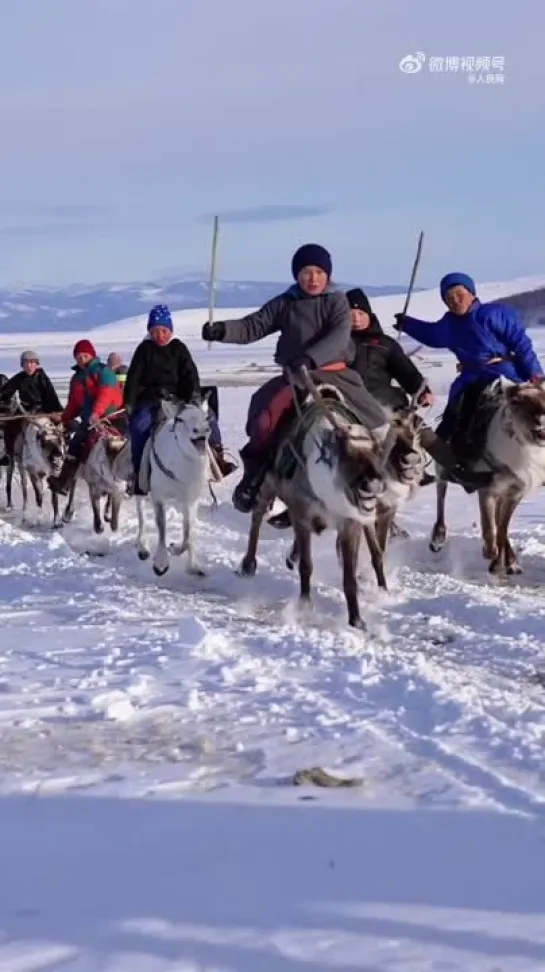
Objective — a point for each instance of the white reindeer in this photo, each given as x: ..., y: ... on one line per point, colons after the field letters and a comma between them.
x: 515, y: 452
x: 174, y: 469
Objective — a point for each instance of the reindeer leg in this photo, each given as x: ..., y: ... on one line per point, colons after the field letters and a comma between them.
x: 38, y: 488
x: 248, y: 565
x: 506, y: 556
x: 57, y: 521
x: 98, y: 525
x: 293, y: 557
x: 161, y: 559
x: 141, y: 546
x: 488, y: 503
x: 115, y: 506
x: 349, y: 544
x: 108, y: 509
x: 9, y: 484
x: 377, y: 555
x: 24, y: 491
x: 303, y: 539
x: 439, y: 532
x: 69, y: 511
x: 188, y: 543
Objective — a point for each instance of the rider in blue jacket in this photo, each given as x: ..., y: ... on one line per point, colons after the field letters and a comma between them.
x: 488, y: 340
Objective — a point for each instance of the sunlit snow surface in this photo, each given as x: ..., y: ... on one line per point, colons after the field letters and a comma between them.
x: 149, y: 730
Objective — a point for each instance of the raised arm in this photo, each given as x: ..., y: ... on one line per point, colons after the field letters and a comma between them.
x: 434, y: 334
x: 248, y: 329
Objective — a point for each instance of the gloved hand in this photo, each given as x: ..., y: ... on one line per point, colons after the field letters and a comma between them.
x: 213, y: 332
x: 293, y: 373
x: 537, y: 379
x: 398, y: 326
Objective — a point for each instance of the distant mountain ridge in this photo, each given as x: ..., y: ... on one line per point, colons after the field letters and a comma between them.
x: 80, y: 307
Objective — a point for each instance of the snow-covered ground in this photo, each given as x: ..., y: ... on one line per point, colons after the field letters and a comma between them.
x: 149, y: 731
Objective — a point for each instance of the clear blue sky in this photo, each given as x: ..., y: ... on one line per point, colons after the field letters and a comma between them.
x: 125, y: 123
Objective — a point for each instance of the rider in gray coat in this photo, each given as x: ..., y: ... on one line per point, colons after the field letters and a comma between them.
x: 313, y: 321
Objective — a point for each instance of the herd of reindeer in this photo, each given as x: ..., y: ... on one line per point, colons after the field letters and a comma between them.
x: 342, y: 479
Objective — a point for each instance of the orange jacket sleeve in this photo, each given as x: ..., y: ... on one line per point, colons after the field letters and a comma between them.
x: 109, y: 393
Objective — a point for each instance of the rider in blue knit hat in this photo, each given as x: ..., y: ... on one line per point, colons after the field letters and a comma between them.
x: 488, y: 340
x: 162, y: 363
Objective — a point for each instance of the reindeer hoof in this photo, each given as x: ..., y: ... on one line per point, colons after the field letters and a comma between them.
x: 514, y: 570
x: 177, y: 549
x: 496, y: 567
x: 68, y: 517
x: 437, y: 544
x: 143, y: 554
x: 196, y: 572
x: 357, y: 623
x: 160, y: 571
x: 247, y: 568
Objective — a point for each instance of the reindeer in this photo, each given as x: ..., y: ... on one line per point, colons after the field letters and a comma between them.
x: 402, y: 476
x: 514, y: 451
x: 39, y: 453
x: 105, y: 472
x: 174, y: 469
x: 339, y: 475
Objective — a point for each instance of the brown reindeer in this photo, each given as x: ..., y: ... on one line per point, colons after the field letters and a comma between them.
x: 515, y: 452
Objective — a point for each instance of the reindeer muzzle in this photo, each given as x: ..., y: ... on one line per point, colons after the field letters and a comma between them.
x: 200, y: 444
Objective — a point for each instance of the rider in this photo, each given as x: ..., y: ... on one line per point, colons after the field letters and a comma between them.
x: 94, y: 394
x: 161, y: 364
x: 314, y: 324
x: 488, y: 340
x: 36, y: 394
x: 380, y: 359
x: 114, y: 361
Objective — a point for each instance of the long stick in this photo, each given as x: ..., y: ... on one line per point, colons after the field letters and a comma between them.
x: 212, y: 286
x: 413, y: 277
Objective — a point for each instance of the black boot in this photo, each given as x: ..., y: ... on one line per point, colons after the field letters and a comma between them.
x: 63, y: 483
x: 453, y: 470
x: 247, y: 491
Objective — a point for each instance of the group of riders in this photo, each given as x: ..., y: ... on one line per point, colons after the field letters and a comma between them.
x: 334, y: 335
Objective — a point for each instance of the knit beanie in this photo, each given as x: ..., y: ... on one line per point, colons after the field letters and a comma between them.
x: 457, y: 280
x: 358, y: 300
x: 30, y: 356
x: 84, y: 347
x: 311, y: 255
x: 160, y: 316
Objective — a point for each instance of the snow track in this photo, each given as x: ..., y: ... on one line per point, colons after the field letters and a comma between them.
x: 160, y: 686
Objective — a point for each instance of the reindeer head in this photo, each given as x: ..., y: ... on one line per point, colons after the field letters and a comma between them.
x: 526, y: 405
x: 360, y: 459
x: 46, y: 437
x: 406, y: 459
x: 194, y: 421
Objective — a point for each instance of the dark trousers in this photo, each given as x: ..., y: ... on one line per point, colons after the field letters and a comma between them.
x: 459, y: 413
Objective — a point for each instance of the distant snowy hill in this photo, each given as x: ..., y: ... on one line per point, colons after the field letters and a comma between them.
x: 78, y: 308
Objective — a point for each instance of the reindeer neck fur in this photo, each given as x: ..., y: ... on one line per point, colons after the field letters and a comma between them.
x: 99, y: 469
x: 34, y: 456
x: 509, y: 445
x: 327, y: 459
x: 179, y: 446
